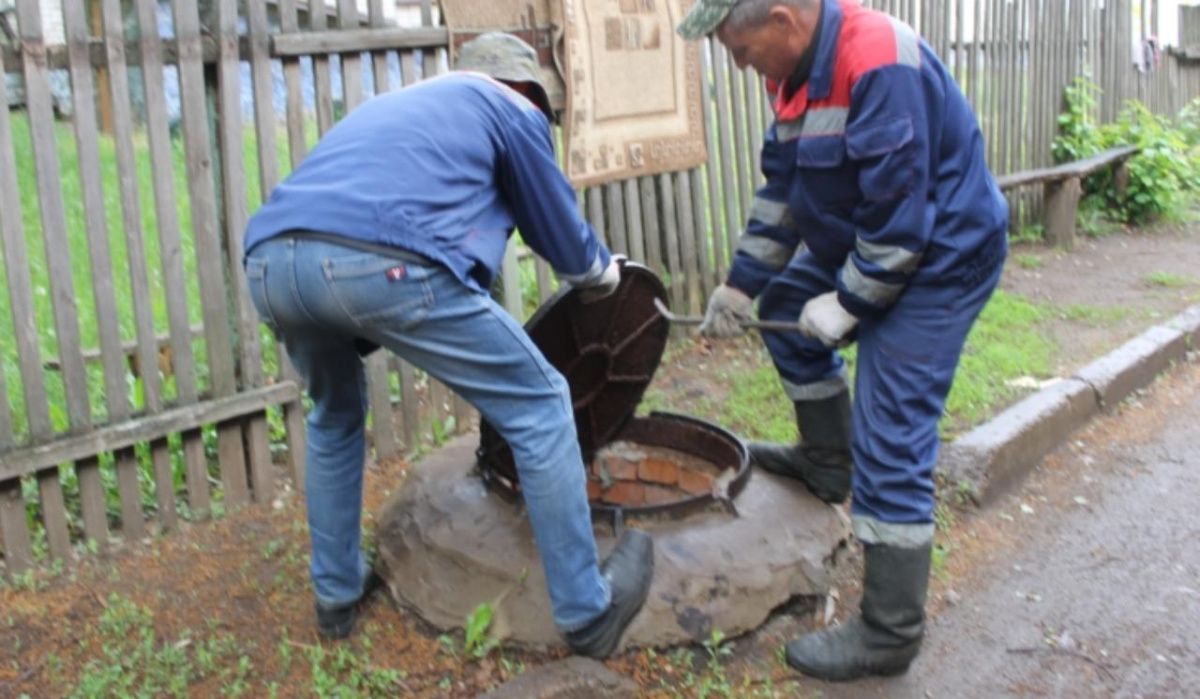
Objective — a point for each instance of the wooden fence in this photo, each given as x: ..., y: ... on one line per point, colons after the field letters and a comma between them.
x: 134, y: 359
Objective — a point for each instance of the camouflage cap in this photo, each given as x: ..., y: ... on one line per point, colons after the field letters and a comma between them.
x: 507, y: 58
x: 704, y: 17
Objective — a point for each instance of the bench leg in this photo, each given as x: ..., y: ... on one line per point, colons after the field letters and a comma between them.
x: 1121, y: 179
x: 1062, y: 205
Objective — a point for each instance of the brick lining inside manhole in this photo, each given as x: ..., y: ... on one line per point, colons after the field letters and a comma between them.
x: 627, y: 474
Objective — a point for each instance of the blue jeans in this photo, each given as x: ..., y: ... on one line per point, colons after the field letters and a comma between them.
x: 323, y: 300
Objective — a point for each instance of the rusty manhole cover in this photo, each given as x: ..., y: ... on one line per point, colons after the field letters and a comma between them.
x: 608, y: 352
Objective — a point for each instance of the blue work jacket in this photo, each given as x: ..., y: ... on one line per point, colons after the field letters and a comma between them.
x: 445, y: 169
x: 876, y: 165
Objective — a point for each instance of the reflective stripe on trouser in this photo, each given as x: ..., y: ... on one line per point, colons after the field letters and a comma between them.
x: 905, y: 363
x: 320, y: 297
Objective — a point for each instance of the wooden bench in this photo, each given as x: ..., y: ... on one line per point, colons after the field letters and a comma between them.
x: 1063, y: 188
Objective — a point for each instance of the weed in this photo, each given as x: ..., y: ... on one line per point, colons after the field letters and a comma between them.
x: 943, y: 517
x: 28, y: 581
x: 344, y: 671
x: 449, y: 647
x: 715, y: 681
x: 477, y: 643
x: 271, y: 548
x: 939, y: 559
x: 511, y: 668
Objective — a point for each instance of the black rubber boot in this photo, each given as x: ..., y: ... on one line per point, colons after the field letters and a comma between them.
x: 336, y: 623
x: 885, y: 638
x: 822, y: 458
x: 628, y: 569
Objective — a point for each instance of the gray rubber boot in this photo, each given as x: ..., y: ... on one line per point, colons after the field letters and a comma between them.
x: 822, y: 458
x: 886, y: 637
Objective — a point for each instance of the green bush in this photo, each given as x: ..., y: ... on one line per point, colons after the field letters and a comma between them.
x: 1166, y: 167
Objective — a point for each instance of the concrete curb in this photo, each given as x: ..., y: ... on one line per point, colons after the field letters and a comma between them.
x: 995, y: 456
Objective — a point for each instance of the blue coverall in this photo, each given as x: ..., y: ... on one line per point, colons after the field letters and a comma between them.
x: 876, y: 187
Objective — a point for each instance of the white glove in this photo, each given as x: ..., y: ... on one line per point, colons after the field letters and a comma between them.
x: 727, y: 309
x: 824, y: 319
x: 604, y: 285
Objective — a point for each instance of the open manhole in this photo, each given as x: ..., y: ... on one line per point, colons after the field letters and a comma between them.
x: 448, y: 540
x: 608, y: 351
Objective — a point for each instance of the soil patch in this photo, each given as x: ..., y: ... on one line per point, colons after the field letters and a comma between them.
x: 238, y: 586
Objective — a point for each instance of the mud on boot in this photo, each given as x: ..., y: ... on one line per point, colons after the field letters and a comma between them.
x: 886, y: 637
x: 822, y: 458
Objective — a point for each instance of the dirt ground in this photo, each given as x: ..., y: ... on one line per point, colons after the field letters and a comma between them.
x: 231, y: 597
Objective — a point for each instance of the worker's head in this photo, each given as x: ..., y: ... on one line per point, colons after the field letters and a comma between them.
x: 507, y: 59
x: 769, y: 36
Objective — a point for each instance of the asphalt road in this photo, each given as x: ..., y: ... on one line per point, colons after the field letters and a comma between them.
x: 1097, y: 592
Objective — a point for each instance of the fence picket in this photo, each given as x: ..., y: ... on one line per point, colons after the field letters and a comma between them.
x: 703, y: 234
x: 181, y: 356
x: 294, y: 94
x: 53, y: 218
x: 717, y: 229
x: 14, y: 532
x: 379, y: 64
x: 322, y: 80
x: 650, y: 229
x: 614, y: 209
x: 207, y: 240
x: 20, y: 284
x: 728, y: 191
x: 681, y: 182
x: 671, y: 239
x: 54, y: 234
x: 139, y: 282
x: 54, y: 514
x: 633, y: 217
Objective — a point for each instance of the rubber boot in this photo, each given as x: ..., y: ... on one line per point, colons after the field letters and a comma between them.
x: 885, y: 638
x: 822, y: 458
x: 628, y: 570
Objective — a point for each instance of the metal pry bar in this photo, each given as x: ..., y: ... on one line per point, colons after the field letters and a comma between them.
x: 776, y: 325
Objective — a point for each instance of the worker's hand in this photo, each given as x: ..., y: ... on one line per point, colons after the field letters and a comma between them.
x: 727, y: 309
x: 605, y: 284
x: 824, y: 319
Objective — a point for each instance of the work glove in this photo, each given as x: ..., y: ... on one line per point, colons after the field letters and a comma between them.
x: 603, y: 286
x: 727, y: 309
x: 824, y: 319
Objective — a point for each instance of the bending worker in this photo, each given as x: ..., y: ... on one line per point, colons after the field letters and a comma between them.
x: 390, y: 234
x: 879, y: 221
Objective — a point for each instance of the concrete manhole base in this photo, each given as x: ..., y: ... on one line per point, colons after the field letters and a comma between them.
x: 447, y: 545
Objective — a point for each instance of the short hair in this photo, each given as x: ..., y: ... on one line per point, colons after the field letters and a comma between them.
x: 749, y: 14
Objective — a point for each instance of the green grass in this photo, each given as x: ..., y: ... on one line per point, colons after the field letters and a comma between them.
x: 1093, y: 315
x: 1004, y: 344
x: 135, y: 661
x: 79, y: 259
x: 1026, y: 261
x: 1169, y: 280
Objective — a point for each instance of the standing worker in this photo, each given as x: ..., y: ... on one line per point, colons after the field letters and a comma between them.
x: 879, y: 221
x: 390, y: 234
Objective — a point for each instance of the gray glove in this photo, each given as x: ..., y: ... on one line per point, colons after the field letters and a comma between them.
x: 727, y: 309
x: 823, y: 318
x: 604, y: 285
